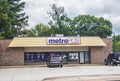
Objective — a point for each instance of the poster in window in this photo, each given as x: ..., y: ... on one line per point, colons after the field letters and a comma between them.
x: 73, y: 56
x: 27, y: 56
x: 42, y: 57
x: 38, y: 57
x: 32, y: 57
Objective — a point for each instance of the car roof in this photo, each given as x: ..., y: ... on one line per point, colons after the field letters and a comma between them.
x: 117, y: 53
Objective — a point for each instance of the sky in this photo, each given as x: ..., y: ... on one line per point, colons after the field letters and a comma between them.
x: 109, y: 9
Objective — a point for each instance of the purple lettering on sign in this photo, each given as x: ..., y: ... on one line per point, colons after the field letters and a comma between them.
x: 66, y: 41
x: 63, y: 40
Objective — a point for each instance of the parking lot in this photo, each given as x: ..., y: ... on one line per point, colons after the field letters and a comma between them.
x: 39, y: 73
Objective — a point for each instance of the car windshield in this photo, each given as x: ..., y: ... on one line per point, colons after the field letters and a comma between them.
x: 116, y: 55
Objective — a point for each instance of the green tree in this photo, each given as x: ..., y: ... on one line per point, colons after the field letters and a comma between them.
x: 60, y: 22
x: 42, y: 30
x: 1, y: 37
x: 38, y: 30
x: 116, y: 43
x: 86, y: 25
x: 117, y: 46
x: 12, y: 18
x: 27, y: 33
x: 4, y: 19
x: 117, y: 37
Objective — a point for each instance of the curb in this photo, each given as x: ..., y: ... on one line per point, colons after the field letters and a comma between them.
x: 114, y: 77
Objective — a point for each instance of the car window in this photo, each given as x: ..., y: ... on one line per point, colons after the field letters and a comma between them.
x: 56, y: 58
x: 115, y: 56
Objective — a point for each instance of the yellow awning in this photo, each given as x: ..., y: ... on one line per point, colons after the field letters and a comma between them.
x: 42, y: 42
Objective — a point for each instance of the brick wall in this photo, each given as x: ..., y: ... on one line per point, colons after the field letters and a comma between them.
x: 10, y: 56
x: 98, y: 54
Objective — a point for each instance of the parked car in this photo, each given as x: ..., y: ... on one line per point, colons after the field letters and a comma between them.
x: 112, y: 59
x: 55, y: 60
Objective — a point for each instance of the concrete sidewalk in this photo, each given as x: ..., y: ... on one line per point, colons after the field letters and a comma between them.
x: 76, y: 73
x: 85, y: 78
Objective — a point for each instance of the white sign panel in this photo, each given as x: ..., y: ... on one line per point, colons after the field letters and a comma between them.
x: 63, y: 40
x: 73, y: 56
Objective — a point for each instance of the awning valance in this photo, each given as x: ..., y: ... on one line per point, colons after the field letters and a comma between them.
x: 42, y: 42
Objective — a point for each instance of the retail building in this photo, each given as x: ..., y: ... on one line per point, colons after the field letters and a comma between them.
x: 35, y: 50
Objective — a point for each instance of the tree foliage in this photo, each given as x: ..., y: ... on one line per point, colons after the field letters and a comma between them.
x: 27, y: 33
x: 38, y: 30
x: 116, y: 43
x: 1, y: 37
x: 12, y: 18
x: 60, y: 22
x: 86, y: 25
x: 83, y: 25
x: 41, y: 30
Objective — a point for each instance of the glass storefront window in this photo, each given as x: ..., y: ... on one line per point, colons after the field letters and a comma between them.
x: 42, y: 57
x: 38, y: 57
x: 66, y: 56
x: 73, y: 56
x: 87, y: 57
x: 28, y: 57
x: 34, y: 57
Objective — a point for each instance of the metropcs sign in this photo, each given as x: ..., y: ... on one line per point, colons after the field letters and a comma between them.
x: 63, y: 40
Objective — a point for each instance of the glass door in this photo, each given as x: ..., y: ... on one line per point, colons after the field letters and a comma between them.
x: 82, y: 58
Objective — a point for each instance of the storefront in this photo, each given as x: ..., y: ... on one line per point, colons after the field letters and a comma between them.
x: 77, y: 57
x: 35, y: 50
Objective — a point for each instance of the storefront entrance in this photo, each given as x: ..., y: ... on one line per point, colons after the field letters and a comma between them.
x: 84, y: 57
x: 68, y: 57
x: 81, y: 58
